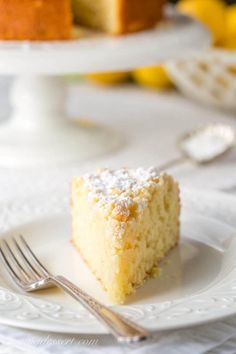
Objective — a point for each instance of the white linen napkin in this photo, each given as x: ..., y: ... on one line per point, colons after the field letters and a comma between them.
x: 219, y: 337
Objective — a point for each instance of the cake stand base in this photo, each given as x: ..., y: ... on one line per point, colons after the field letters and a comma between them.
x: 39, y: 132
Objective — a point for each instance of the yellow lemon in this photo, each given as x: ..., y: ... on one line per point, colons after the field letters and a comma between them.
x: 108, y: 78
x: 154, y: 77
x: 230, y: 27
x: 210, y: 12
x: 229, y: 44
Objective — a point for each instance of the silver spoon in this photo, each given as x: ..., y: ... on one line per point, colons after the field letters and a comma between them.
x: 204, y: 145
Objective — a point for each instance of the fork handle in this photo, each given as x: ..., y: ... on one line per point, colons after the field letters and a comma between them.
x: 123, y: 329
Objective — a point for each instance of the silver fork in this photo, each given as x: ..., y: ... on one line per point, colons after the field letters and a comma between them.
x: 28, y: 272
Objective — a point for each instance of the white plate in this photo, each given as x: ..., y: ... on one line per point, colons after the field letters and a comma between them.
x: 198, y: 283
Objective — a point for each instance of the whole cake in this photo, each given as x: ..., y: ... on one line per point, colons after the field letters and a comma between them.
x: 35, y: 19
x: 118, y: 16
x: 124, y: 223
x: 53, y: 19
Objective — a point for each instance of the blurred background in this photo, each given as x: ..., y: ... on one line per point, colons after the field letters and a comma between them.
x: 229, y: 2
x: 213, y: 71
x: 183, y: 93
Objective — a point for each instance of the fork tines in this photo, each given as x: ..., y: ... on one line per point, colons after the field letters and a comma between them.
x: 20, y: 261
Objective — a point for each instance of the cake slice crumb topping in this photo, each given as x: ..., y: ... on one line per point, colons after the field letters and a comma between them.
x: 123, y: 190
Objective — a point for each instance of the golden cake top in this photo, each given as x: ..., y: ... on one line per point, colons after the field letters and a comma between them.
x: 122, y: 192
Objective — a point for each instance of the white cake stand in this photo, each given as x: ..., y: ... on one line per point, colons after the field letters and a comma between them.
x: 38, y: 131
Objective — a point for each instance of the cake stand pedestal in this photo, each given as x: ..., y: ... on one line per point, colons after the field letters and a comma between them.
x: 39, y: 132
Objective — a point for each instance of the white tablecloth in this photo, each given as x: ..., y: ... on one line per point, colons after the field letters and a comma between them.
x: 150, y: 123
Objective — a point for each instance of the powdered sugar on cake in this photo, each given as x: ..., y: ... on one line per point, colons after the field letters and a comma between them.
x: 120, y: 188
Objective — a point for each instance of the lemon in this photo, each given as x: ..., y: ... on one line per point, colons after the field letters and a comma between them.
x: 210, y: 12
x: 229, y: 44
x: 153, y: 77
x: 108, y: 78
x: 230, y: 27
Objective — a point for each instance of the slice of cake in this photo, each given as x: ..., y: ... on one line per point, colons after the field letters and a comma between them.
x: 124, y: 222
x: 35, y: 19
x: 118, y: 16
